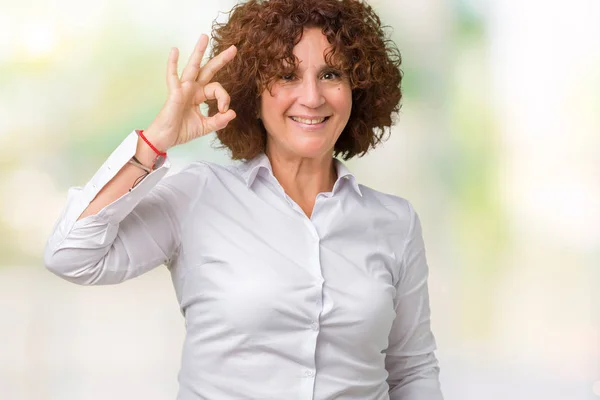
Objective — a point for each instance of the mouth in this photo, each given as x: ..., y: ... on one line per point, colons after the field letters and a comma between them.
x: 310, y: 121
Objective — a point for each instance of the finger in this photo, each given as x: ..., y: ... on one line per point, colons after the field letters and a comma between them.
x: 172, y: 76
x: 215, y: 64
x: 219, y: 121
x: 215, y: 91
x: 190, y: 72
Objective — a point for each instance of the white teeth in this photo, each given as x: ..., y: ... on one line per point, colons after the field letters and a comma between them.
x: 308, y: 121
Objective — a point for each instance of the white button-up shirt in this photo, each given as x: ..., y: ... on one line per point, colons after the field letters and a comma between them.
x: 277, y: 305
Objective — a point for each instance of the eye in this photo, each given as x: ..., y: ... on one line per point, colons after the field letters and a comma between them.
x: 287, y: 77
x: 331, y: 75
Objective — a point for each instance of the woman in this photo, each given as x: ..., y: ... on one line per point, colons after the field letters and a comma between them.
x: 295, y: 281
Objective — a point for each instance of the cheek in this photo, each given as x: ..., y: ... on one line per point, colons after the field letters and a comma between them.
x: 344, y: 101
x: 274, y: 106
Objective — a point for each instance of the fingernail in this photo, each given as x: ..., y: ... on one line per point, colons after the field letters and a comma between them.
x: 225, y: 108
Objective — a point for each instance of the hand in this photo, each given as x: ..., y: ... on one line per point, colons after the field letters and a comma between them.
x: 180, y: 120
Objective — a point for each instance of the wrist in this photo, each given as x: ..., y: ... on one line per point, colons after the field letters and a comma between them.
x: 158, y: 140
x: 144, y: 153
x: 147, y: 151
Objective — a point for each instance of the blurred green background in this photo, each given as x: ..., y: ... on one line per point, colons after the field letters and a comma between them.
x: 497, y: 146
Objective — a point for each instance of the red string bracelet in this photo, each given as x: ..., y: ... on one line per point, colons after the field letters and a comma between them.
x: 141, y: 133
x: 161, y: 156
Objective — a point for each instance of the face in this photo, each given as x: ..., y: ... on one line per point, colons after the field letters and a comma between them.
x: 306, y: 111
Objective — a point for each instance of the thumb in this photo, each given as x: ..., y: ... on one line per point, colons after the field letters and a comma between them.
x: 220, y: 120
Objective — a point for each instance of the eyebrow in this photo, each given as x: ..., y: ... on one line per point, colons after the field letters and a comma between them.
x: 323, y: 68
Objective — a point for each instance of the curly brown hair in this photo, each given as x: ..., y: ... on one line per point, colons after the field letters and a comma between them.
x: 265, y: 33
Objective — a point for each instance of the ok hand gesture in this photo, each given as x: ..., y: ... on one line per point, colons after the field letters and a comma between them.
x: 180, y: 120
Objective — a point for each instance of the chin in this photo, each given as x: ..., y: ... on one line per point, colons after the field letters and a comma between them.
x: 312, y: 149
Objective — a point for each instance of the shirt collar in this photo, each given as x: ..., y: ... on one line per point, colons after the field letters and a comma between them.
x: 343, y: 173
x: 251, y: 168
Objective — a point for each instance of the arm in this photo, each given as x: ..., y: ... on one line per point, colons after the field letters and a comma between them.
x: 410, y: 361
x: 125, y: 178
x: 108, y: 234
x: 131, y: 235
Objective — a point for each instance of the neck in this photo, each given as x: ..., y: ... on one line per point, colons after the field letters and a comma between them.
x: 303, y: 178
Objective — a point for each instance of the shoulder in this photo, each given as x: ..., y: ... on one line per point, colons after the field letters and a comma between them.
x: 202, y: 170
x: 198, y: 174
x: 401, y: 211
x: 400, y: 206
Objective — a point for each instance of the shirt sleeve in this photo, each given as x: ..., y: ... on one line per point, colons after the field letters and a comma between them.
x: 134, y: 234
x: 410, y: 361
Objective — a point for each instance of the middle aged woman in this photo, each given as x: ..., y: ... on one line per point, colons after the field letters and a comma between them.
x: 295, y: 281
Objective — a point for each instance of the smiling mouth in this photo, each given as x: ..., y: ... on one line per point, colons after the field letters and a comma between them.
x: 310, y: 121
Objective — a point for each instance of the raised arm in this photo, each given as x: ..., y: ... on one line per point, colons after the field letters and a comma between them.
x: 110, y: 231
x: 180, y: 119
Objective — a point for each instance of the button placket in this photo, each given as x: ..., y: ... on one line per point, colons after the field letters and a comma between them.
x: 313, y: 326
x: 307, y: 385
x: 312, y: 229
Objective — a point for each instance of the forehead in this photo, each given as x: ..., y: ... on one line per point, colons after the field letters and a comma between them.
x: 312, y: 47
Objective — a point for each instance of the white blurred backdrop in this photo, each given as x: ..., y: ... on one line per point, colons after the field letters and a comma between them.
x: 497, y: 146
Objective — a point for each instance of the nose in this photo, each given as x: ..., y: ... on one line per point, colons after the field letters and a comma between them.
x: 311, y: 95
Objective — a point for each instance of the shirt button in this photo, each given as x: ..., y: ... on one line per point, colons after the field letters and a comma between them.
x: 314, y: 326
x: 309, y: 372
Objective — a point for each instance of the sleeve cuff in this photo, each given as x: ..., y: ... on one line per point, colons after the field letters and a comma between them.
x: 113, y: 213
